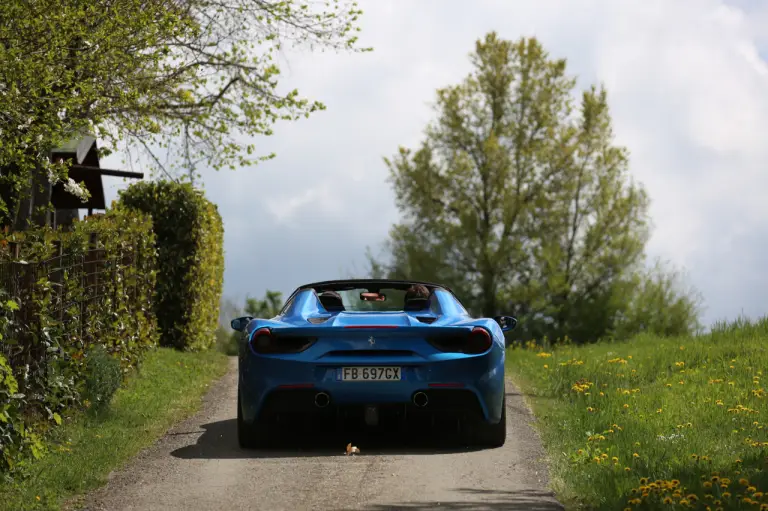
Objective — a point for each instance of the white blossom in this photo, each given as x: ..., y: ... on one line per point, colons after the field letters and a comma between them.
x: 76, y: 190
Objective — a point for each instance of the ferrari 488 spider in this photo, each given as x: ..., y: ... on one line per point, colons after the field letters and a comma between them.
x: 375, y: 353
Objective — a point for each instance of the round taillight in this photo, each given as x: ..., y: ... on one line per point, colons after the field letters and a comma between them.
x: 479, y: 341
x: 261, y: 340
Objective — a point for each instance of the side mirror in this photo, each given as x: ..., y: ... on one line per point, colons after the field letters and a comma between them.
x: 507, y: 323
x: 239, y: 324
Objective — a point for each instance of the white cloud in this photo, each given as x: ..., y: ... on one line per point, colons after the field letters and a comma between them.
x: 687, y: 86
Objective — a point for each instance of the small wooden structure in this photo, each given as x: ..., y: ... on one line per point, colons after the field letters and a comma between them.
x: 82, y: 152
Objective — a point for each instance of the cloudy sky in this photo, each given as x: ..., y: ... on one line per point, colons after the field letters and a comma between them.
x: 688, y: 86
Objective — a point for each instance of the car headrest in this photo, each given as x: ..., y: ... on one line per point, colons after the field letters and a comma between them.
x: 416, y: 304
x: 331, y: 302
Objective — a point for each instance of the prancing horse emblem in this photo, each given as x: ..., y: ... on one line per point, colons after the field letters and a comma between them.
x: 371, y: 341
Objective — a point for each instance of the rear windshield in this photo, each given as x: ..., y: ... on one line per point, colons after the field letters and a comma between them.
x: 395, y: 300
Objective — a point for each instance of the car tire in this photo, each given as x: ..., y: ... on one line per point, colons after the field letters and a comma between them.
x: 249, y: 436
x: 492, y: 435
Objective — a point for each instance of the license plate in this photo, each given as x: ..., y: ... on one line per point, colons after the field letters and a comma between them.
x: 369, y: 373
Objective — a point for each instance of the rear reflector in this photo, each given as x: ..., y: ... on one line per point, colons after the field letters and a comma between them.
x: 297, y: 386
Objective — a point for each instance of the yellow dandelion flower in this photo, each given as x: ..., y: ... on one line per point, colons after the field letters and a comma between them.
x: 635, y: 455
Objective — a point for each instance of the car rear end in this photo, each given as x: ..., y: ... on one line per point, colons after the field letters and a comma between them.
x: 374, y: 371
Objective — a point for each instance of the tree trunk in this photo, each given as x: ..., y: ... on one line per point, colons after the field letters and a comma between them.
x: 488, y: 299
x: 33, y: 199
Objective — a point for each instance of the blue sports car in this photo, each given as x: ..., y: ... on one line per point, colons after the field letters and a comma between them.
x: 375, y: 352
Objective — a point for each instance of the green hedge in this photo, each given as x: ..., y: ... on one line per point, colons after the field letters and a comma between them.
x: 190, y: 246
x: 72, y: 304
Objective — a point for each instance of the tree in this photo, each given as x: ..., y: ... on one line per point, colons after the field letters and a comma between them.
x: 660, y: 303
x: 140, y: 73
x: 266, y: 308
x: 519, y: 199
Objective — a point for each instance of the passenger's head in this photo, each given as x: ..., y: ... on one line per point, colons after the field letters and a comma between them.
x: 331, y: 300
x: 417, y: 291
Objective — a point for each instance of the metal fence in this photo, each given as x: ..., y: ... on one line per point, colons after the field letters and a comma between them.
x: 58, y: 299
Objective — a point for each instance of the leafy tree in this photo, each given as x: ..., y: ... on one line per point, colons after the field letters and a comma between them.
x: 660, y: 303
x: 519, y: 199
x: 266, y: 308
x: 197, y: 77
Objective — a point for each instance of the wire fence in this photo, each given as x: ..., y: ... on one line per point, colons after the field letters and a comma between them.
x: 60, y: 301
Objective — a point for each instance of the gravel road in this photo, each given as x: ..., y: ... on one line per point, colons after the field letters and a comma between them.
x: 199, y: 466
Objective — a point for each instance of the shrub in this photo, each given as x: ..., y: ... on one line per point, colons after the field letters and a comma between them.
x: 103, y: 377
x: 17, y: 441
x: 190, y: 245
x: 227, y: 341
x: 63, y: 297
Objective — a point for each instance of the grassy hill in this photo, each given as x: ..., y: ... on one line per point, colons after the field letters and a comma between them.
x: 654, y: 423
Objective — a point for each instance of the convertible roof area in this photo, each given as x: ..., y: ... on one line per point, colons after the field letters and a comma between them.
x: 370, y: 284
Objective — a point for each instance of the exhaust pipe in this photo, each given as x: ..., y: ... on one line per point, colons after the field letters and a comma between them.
x: 322, y: 400
x: 420, y: 399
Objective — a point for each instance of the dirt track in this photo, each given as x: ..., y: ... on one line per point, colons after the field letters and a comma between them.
x: 199, y: 466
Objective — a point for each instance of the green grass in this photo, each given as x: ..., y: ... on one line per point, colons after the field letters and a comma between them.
x: 678, y: 412
x: 167, y: 388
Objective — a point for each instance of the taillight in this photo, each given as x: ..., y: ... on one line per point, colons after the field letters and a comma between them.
x: 266, y: 342
x: 476, y: 342
x: 479, y: 341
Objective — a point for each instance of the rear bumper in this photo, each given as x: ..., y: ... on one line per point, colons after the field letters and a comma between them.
x: 459, y: 386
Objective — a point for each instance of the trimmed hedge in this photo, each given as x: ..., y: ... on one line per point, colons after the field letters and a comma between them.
x: 190, y: 246
x: 67, y: 298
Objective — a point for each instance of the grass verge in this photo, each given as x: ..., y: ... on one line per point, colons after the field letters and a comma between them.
x: 167, y: 388
x: 655, y: 423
